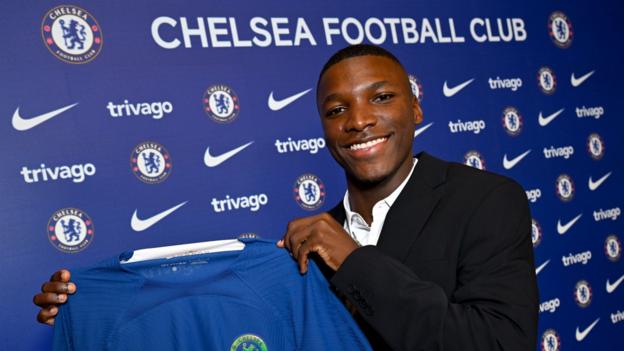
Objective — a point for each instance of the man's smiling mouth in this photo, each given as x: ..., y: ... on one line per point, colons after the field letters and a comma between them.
x: 368, y: 144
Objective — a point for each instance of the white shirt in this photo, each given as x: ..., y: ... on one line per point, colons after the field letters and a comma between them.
x: 356, y: 225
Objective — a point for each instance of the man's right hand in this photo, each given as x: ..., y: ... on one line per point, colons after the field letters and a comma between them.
x: 53, y: 293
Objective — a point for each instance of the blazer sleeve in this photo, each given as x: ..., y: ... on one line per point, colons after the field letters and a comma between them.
x: 493, y: 305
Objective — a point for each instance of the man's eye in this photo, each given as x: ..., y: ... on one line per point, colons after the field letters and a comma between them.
x: 334, y: 111
x: 383, y: 97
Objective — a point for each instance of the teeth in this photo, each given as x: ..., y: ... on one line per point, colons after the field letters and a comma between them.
x: 367, y: 144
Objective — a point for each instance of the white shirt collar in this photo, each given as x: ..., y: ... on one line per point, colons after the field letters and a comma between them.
x: 358, y: 228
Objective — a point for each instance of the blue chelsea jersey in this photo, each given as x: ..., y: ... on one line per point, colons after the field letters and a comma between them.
x: 248, y: 300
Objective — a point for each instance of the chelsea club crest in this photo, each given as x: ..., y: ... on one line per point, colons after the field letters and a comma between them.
x: 474, y: 159
x: 150, y: 162
x: 550, y: 341
x: 221, y: 103
x: 536, y: 233
x: 309, y: 191
x: 565, y: 188
x: 582, y: 293
x: 417, y: 88
x: 595, y: 146
x: 70, y: 230
x: 546, y: 80
x: 512, y: 121
x: 71, y: 34
x: 248, y: 342
x: 560, y: 29
x: 613, y: 248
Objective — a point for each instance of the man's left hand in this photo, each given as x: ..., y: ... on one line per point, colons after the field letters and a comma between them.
x: 320, y: 234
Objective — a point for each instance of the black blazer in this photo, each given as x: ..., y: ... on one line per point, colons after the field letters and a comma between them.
x: 453, y: 268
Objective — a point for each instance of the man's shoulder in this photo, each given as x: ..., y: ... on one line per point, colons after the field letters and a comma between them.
x: 465, y: 179
x: 465, y: 190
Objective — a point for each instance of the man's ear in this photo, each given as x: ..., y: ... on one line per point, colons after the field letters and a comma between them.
x: 418, y: 115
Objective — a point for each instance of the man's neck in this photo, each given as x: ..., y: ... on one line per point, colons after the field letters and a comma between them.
x: 363, y: 196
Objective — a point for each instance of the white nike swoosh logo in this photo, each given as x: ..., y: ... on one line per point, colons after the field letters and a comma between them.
x: 22, y: 124
x: 214, y: 161
x: 562, y: 229
x: 580, y: 335
x: 611, y: 287
x: 543, y: 121
x: 576, y: 82
x: 539, y: 269
x: 277, y: 105
x: 139, y: 225
x: 509, y: 164
x: 419, y: 131
x: 448, y: 92
x: 594, y: 185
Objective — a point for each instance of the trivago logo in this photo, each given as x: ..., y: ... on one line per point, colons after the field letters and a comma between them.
x: 581, y: 257
x: 562, y: 151
x: 533, y: 194
x: 595, y: 112
x: 468, y: 126
x: 617, y: 317
x: 156, y: 110
x: 76, y: 173
x: 289, y: 145
x: 550, y: 305
x: 251, y: 202
x: 612, y: 214
x: 507, y: 83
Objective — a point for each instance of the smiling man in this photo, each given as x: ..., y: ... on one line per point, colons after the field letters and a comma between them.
x: 432, y: 255
x: 429, y: 255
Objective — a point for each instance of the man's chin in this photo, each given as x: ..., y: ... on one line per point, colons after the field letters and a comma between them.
x: 367, y: 179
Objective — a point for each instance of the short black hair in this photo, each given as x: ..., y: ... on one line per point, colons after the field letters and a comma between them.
x: 355, y: 51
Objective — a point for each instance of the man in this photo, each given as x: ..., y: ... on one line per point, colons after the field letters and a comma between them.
x: 430, y: 255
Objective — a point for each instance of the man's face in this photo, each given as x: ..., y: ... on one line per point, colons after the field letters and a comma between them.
x: 369, y: 115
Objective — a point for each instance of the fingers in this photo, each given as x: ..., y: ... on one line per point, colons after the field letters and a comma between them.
x: 298, y: 245
x: 59, y: 287
x: 297, y: 225
x: 296, y: 240
x: 46, y: 315
x: 299, y: 230
x: 53, y: 293
x: 46, y: 299
x: 62, y: 275
x: 320, y: 234
x: 302, y: 256
x: 291, y: 231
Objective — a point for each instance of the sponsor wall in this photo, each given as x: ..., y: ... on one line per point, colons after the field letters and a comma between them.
x: 142, y: 124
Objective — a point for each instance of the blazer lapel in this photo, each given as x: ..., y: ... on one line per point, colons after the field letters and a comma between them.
x: 411, y: 210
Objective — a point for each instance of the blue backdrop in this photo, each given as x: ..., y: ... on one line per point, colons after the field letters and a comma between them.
x: 138, y: 124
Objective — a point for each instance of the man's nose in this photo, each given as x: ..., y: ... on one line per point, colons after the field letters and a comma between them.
x: 360, y: 118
